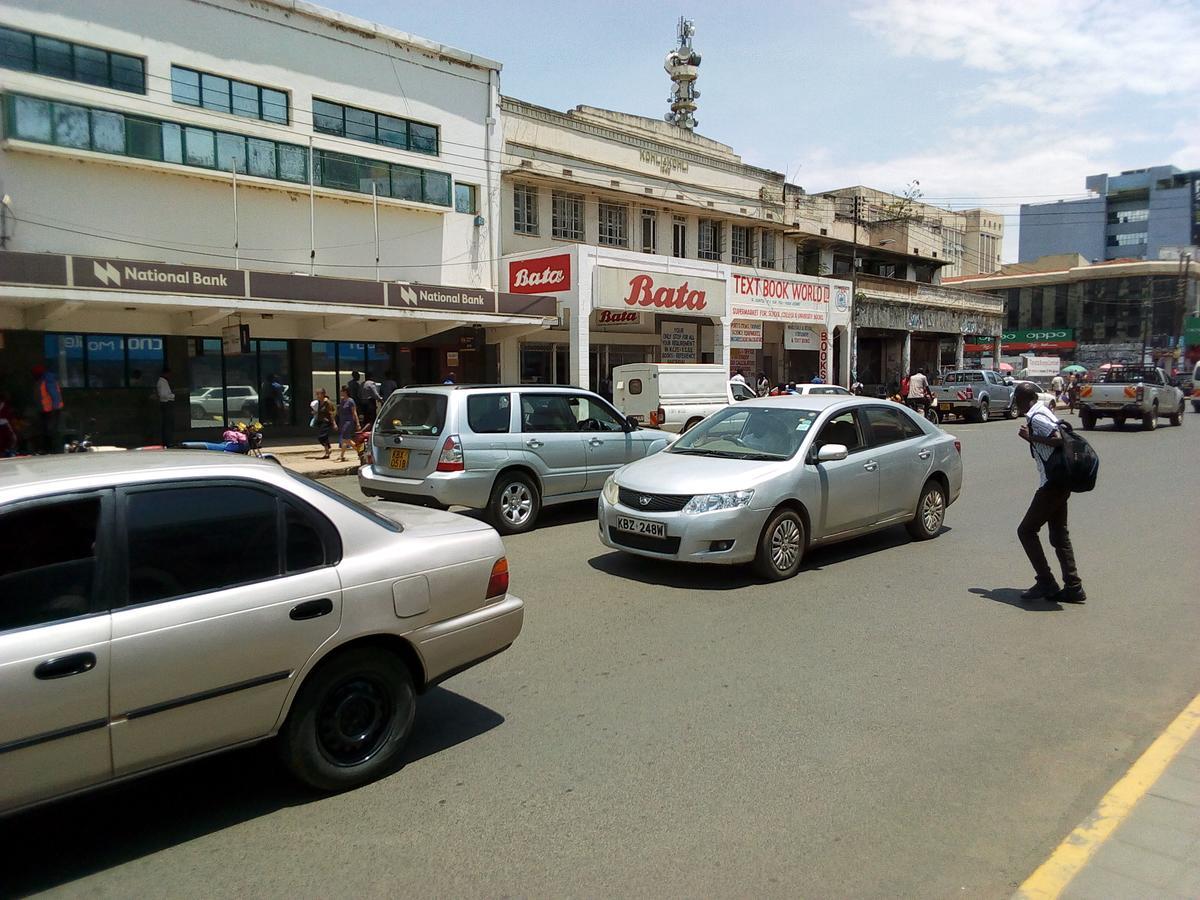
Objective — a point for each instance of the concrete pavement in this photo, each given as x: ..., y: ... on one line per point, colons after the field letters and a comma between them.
x: 894, y: 721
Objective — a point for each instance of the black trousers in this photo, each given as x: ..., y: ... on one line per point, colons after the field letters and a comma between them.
x: 166, y: 412
x: 1049, y: 507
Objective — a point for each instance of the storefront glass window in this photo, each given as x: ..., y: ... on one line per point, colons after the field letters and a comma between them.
x: 324, y: 367
x: 275, y: 371
x: 204, y: 378
x: 254, y: 386
x: 64, y: 357
x: 105, y: 361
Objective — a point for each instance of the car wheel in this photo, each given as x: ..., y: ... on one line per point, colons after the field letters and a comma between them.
x: 350, y: 721
x: 690, y: 424
x: 515, y: 503
x: 984, y: 411
x: 781, y: 546
x: 1088, y: 420
x: 1177, y: 416
x: 931, y: 513
x: 1150, y: 422
x: 1011, y: 412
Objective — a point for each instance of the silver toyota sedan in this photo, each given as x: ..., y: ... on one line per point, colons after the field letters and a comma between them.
x: 156, y: 606
x: 764, y: 480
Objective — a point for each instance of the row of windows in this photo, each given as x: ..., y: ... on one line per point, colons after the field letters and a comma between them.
x: 1127, y: 240
x: 220, y: 94
x: 105, y: 131
x: 28, y: 52
x: 103, y: 360
x: 1124, y: 216
x: 377, y: 128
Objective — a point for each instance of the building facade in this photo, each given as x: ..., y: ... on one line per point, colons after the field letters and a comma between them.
x: 1135, y: 215
x: 331, y: 184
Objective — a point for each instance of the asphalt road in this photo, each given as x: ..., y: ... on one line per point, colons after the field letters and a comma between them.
x: 894, y: 721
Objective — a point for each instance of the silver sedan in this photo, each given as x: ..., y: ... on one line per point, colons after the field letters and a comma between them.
x: 158, y: 606
x: 764, y: 480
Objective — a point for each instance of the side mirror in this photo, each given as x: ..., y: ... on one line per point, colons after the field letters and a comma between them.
x: 632, y: 423
x: 832, y: 453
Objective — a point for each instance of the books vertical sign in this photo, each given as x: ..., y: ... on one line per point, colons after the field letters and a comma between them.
x: 677, y: 342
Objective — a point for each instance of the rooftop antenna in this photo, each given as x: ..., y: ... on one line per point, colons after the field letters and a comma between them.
x: 683, y: 64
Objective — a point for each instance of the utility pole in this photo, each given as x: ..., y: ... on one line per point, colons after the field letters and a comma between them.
x: 853, y: 334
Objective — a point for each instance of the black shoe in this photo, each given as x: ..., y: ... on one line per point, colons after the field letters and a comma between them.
x: 1070, y: 595
x: 1041, y: 591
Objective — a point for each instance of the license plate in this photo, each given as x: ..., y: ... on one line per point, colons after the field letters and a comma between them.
x: 944, y: 407
x: 398, y: 459
x: 641, y: 526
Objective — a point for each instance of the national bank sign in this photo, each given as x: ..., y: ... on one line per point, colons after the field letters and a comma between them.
x: 116, y: 274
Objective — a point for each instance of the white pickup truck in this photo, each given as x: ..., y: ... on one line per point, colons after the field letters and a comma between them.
x: 975, y: 395
x: 1131, y: 392
x: 674, y: 396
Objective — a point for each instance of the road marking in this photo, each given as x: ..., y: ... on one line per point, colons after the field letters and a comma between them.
x: 1052, y: 876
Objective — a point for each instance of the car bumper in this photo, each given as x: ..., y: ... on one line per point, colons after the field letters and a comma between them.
x: 1129, y: 410
x: 472, y: 489
x: 454, y: 645
x: 690, y: 537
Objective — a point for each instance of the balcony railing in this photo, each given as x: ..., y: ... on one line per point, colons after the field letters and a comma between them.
x: 928, y: 294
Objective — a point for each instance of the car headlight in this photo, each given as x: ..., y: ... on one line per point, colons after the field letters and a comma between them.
x: 610, y: 491
x: 711, y: 502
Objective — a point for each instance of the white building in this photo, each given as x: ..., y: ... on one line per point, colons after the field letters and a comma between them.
x: 173, y: 168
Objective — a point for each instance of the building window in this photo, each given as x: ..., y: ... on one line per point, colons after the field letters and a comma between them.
x: 375, y: 128
x: 335, y: 362
x: 525, y: 209
x: 220, y: 94
x: 1013, y: 309
x: 568, y: 216
x: 710, y: 240
x: 103, y: 360
x: 1124, y: 216
x: 649, y: 231
x: 679, y: 237
x: 766, y: 249
x: 466, y: 198
x: 28, y: 52
x: 245, y: 386
x: 739, y: 243
x: 1061, y: 311
x: 1127, y: 240
x: 614, y: 225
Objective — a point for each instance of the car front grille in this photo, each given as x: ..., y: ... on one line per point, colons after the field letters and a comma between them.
x: 657, y: 502
x: 644, y: 541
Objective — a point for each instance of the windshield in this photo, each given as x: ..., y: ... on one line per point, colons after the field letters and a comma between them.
x: 410, y: 413
x: 741, y: 433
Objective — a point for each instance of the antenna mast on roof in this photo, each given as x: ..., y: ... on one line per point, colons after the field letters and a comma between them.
x: 683, y: 64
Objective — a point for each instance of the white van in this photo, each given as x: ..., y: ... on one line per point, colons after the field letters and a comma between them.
x: 674, y: 396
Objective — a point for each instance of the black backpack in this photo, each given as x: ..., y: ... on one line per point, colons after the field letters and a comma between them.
x: 1075, y: 464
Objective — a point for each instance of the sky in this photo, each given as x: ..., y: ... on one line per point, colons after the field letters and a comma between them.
x: 981, y: 103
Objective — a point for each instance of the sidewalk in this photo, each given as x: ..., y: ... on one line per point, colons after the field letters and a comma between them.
x: 305, y: 459
x: 1143, y: 840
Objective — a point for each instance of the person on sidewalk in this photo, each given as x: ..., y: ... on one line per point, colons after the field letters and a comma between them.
x: 1049, y: 506
x: 918, y: 393
x: 166, y: 407
x: 48, y: 399
x: 347, y: 423
x: 324, y: 417
x: 368, y: 406
x: 389, y: 384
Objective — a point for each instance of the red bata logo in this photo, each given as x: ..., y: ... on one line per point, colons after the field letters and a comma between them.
x: 539, y: 276
x: 609, y: 317
x: 643, y: 293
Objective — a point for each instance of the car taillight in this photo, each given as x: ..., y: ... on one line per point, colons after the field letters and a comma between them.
x: 498, y: 583
x: 970, y: 393
x: 658, y: 416
x: 1141, y: 392
x: 958, y: 447
x: 451, y: 459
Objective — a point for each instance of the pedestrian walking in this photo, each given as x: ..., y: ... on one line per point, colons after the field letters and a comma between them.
x: 817, y: 379
x: 8, y: 428
x: 1072, y: 391
x: 856, y: 387
x: 1049, y: 505
x: 738, y: 377
x: 1057, y: 385
x: 389, y: 384
x: 325, y: 416
x: 763, y: 387
x: 355, y: 387
x: 48, y: 399
x: 347, y: 422
x: 916, y: 397
x: 166, y: 407
x: 368, y: 406
x: 450, y: 378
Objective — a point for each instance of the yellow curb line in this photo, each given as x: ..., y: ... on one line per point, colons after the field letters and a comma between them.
x: 1052, y: 876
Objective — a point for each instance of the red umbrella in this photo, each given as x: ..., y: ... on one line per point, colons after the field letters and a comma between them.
x: 1005, y: 367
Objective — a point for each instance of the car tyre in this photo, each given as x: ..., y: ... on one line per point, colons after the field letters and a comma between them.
x: 984, y: 412
x: 350, y: 721
x: 1177, y: 416
x: 781, y: 546
x: 690, y: 424
x: 931, y: 513
x: 198, y: 412
x: 1088, y: 420
x: 514, y: 504
x: 1150, y: 422
x: 1011, y: 412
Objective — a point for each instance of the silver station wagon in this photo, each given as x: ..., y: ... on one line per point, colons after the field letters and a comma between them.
x: 507, y: 450
x: 160, y: 605
x: 766, y: 479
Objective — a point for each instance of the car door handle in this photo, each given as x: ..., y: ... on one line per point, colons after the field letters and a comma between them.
x: 311, y: 609
x: 871, y: 466
x: 924, y: 454
x: 534, y: 443
x: 596, y: 442
x: 62, y: 666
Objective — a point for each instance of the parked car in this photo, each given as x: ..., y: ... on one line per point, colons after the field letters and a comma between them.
x: 507, y: 450
x: 804, y: 390
x: 1131, y: 392
x: 209, y: 402
x: 1044, y: 395
x: 763, y: 481
x: 975, y: 394
x: 674, y: 396
x: 159, y: 606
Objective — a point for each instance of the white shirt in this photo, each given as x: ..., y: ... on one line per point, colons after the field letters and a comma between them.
x: 163, y: 388
x: 739, y: 378
x: 1042, y: 423
x: 918, y: 386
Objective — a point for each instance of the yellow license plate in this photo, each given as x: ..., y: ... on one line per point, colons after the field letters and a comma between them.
x: 945, y: 407
x: 398, y: 459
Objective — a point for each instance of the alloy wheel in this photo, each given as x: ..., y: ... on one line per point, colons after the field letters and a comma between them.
x: 785, y: 545
x: 516, y: 503
x: 933, y: 511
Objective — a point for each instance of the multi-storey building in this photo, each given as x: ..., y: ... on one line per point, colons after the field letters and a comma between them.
x: 1134, y: 215
x: 167, y: 173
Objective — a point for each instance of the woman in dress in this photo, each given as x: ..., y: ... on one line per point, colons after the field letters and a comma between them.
x: 324, y: 416
x: 347, y: 423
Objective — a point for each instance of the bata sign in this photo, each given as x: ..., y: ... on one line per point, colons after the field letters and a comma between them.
x: 789, y: 299
x: 545, y: 275
x: 658, y: 292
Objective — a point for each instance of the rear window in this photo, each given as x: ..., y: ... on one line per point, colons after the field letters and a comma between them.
x: 489, y: 413
x: 1130, y: 375
x: 962, y: 377
x: 635, y: 386
x: 416, y: 414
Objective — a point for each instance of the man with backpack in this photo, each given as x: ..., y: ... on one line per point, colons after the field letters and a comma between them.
x: 1043, y: 431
